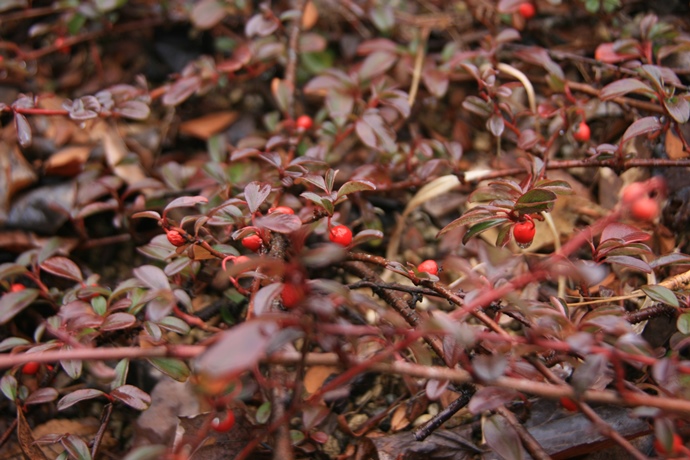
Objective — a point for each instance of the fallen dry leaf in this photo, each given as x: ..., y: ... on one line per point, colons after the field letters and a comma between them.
x: 310, y: 16
x: 208, y: 125
x: 68, y: 161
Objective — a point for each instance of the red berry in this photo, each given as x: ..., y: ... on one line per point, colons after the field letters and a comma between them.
x: 524, y: 232
x: 17, y: 287
x: 568, y: 404
x: 527, y: 10
x: 645, y: 209
x: 60, y: 44
x: 428, y: 266
x: 282, y: 210
x: 676, y: 445
x: 30, y: 368
x: 633, y: 192
x: 252, y: 242
x: 291, y: 295
x: 582, y: 132
x: 304, y: 123
x: 341, y: 235
x: 221, y: 426
x: 176, y: 239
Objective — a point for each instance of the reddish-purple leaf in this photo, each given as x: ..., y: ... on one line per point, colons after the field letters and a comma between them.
x: 207, y: 13
x: 238, y: 349
x: 255, y: 194
x: 435, y: 388
x: 495, y: 124
x: 118, y: 321
x: 366, y: 134
x: 132, y: 396
x: 42, y: 395
x: 279, y: 222
x: 642, y: 126
x: 490, y: 398
x: 489, y: 367
x: 136, y: 110
x: 339, y: 104
x: 77, y: 396
x: 376, y: 64
x: 678, y: 107
x: 528, y: 139
x: 376, y: 44
x: 624, y: 86
x: 185, y: 202
x: 436, y: 81
x: 623, y: 232
x: 261, y: 26
x: 502, y: 438
x: 630, y: 262
x: 264, y: 297
x: 181, y: 90
x: 63, y: 267
x: 12, y: 303
x: 509, y: 6
x: 149, y: 214
x: 611, y: 53
x: 152, y: 276
x: 23, y: 130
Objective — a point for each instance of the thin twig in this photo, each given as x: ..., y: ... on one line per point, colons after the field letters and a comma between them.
x: 105, y: 420
x: 418, y: 64
x: 423, y: 432
x: 293, y: 54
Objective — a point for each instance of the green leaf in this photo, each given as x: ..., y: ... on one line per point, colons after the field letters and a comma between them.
x: 354, y: 186
x: 472, y: 217
x: 559, y: 187
x: 536, y: 200
x: 171, y: 367
x: 263, y: 413
x: 121, y: 371
x: 76, y: 447
x: 8, y: 386
x: 661, y: 294
x: 10, y: 269
x: 683, y: 323
x: 482, y: 227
